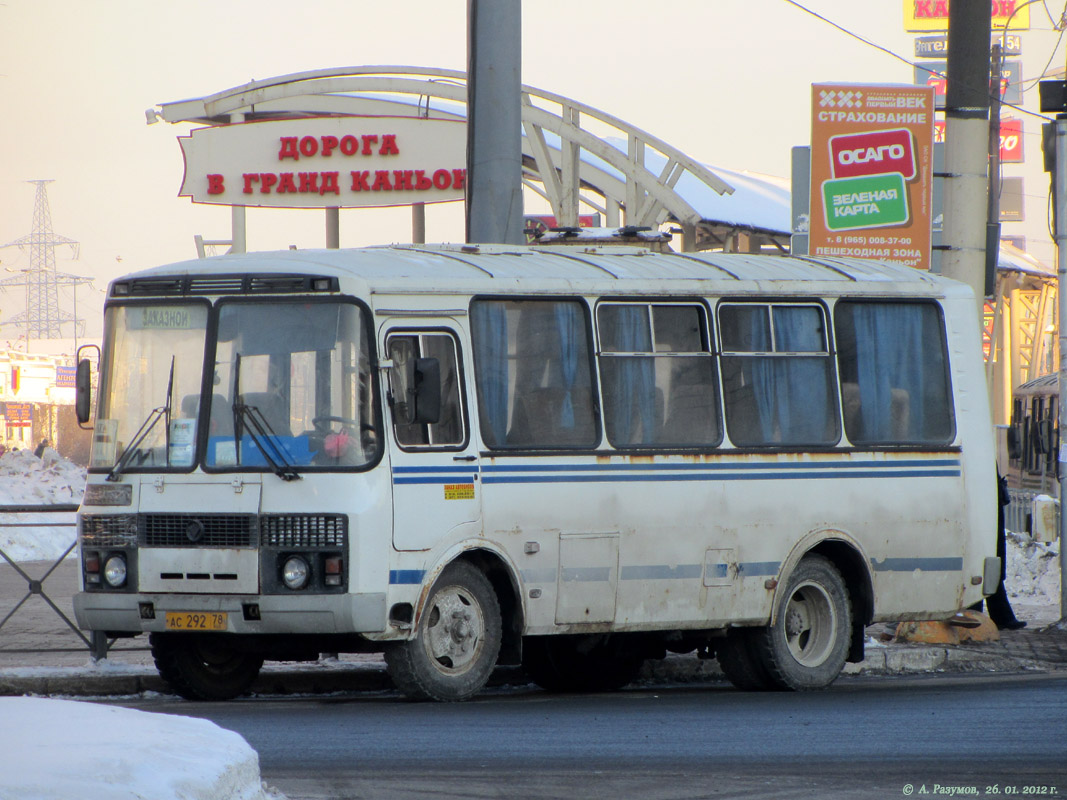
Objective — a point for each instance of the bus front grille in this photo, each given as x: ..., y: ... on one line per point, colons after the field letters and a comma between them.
x: 198, y: 530
x: 303, y: 530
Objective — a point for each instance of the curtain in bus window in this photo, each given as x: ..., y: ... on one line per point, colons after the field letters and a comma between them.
x: 782, y: 393
x: 803, y: 383
x: 629, y: 381
x: 893, y: 373
x: 532, y: 362
x: 569, y: 324
x: 489, y: 324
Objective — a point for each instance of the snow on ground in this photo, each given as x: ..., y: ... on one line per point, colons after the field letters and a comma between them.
x: 63, y: 749
x: 26, y: 479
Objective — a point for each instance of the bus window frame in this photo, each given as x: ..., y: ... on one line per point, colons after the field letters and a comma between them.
x: 950, y: 393
x: 461, y: 388
x: 709, y: 341
x: 594, y: 383
x: 105, y: 368
x: 826, y: 305
x: 373, y: 368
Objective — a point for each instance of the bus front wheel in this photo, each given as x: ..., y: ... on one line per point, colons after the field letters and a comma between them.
x: 457, y: 640
x: 202, y: 667
x: 807, y: 646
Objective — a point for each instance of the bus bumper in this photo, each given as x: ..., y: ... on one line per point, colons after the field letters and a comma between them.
x: 146, y: 613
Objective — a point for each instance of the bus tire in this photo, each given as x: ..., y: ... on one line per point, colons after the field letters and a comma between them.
x: 741, y: 663
x: 576, y: 664
x: 457, y: 641
x: 808, y: 643
x: 203, y: 667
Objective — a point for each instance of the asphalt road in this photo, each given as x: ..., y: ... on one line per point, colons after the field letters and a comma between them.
x: 984, y: 735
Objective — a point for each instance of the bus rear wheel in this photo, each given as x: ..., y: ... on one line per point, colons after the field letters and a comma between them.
x: 807, y: 646
x: 457, y: 641
x: 203, y: 667
x: 579, y: 663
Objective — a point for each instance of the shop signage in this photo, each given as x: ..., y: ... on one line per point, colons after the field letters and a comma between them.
x: 934, y: 73
x: 65, y: 377
x: 1011, y: 44
x: 345, y: 162
x: 1011, y: 139
x: 871, y: 168
x: 18, y: 415
x: 932, y: 15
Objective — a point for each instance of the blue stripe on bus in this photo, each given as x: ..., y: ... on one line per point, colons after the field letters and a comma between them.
x: 721, y: 465
x: 821, y: 474
x: 949, y: 564
x: 406, y: 576
x: 660, y: 572
x: 745, y: 569
x: 402, y: 470
x: 439, y: 479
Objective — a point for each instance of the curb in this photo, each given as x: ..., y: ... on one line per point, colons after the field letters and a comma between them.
x: 317, y: 680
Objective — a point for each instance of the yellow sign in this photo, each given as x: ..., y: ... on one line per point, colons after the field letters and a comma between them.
x: 932, y: 15
x: 459, y: 491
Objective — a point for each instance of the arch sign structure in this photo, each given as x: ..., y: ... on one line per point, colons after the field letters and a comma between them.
x: 396, y: 135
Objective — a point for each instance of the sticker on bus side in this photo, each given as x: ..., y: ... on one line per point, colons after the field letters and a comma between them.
x: 459, y: 491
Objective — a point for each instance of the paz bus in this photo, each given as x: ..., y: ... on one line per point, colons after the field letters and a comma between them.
x: 573, y: 460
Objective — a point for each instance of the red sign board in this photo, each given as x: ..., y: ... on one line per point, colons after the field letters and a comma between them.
x: 872, y: 153
x: 1011, y: 139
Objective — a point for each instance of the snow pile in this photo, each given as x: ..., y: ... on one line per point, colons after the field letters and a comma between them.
x: 1033, y: 572
x: 26, y: 479
x: 63, y: 749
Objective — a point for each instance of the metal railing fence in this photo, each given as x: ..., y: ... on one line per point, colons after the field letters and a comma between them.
x: 97, y: 643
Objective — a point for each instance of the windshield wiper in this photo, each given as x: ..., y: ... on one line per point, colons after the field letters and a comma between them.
x: 163, y: 412
x: 259, y: 430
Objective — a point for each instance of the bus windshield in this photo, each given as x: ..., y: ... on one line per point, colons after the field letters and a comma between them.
x: 292, y: 388
x: 289, y: 388
x: 153, y: 354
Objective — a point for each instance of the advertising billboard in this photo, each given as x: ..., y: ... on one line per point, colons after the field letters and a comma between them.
x: 932, y: 15
x: 872, y: 172
x: 345, y: 162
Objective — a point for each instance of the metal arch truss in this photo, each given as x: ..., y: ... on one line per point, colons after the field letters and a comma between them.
x: 565, y: 163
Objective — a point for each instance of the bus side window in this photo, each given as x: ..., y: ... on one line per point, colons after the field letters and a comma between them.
x: 894, y: 373
x: 778, y: 377
x: 533, y: 374
x: 658, y: 375
x: 450, y: 429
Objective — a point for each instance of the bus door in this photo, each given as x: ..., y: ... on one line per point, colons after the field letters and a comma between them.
x: 434, y: 461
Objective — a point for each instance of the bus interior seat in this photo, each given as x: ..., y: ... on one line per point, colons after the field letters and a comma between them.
x: 536, y: 420
x: 899, y: 411
x: 691, y: 418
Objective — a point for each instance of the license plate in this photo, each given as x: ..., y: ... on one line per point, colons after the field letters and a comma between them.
x: 196, y: 621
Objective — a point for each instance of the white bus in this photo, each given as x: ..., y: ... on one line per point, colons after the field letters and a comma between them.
x: 464, y: 456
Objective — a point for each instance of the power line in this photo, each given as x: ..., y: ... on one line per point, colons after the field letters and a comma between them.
x: 901, y: 58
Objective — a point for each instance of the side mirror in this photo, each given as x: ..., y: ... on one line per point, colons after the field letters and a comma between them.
x: 414, y: 383
x: 83, y: 391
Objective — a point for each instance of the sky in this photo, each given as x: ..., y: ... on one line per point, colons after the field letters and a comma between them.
x: 726, y: 82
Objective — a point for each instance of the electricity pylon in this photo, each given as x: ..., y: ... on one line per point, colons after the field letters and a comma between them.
x: 43, y: 318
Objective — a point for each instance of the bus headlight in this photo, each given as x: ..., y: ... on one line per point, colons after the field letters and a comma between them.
x: 295, y: 573
x: 115, y: 571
